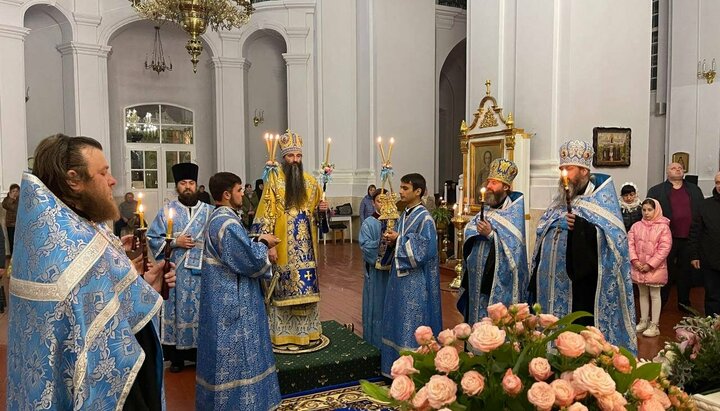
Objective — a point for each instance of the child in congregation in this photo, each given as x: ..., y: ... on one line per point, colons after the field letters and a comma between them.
x: 630, y: 205
x: 650, y: 242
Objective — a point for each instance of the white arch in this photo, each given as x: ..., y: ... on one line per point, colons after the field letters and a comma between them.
x: 119, y: 18
x: 57, y: 12
x: 253, y: 28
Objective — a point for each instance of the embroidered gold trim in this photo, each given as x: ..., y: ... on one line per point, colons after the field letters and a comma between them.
x: 296, y: 300
x: 295, y: 339
x: 237, y: 383
x: 69, y: 278
x: 131, y: 379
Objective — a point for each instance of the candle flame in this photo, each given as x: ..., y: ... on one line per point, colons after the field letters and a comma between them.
x: 140, y: 196
x: 140, y: 208
x: 329, y: 140
x: 379, y: 140
x: 171, y: 213
x: 392, y: 140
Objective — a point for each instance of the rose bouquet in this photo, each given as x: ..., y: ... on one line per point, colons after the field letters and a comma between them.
x: 692, y: 361
x: 522, y: 361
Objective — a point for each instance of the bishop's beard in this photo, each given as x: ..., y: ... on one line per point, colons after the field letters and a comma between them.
x: 295, y: 194
x: 188, y: 198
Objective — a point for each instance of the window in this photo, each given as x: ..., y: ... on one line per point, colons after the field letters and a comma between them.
x: 160, y: 123
x: 654, y: 45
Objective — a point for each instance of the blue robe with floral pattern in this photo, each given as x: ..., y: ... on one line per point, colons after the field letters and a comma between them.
x: 76, y: 302
x: 236, y: 365
x: 376, y: 279
x: 413, y: 293
x: 614, y: 307
x: 180, y: 313
x: 511, y: 274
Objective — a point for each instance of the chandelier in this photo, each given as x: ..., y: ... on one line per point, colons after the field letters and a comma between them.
x: 157, y: 64
x: 195, y: 16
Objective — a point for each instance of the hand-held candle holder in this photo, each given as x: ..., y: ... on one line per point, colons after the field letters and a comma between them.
x: 164, y: 289
x: 566, y: 186
x: 482, y: 204
x: 459, y: 222
x: 140, y: 238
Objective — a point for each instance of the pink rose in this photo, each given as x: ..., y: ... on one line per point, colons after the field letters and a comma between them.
x: 420, y: 400
x: 520, y: 311
x: 487, y: 337
x: 642, y: 390
x: 472, y: 383
x: 547, y: 320
x: 402, y: 388
x: 462, y: 331
x: 621, y: 363
x: 594, y: 380
x: 447, y: 360
x: 485, y: 320
x: 580, y: 392
x: 593, y: 347
x: 446, y: 337
x: 612, y: 402
x: 531, y: 321
x: 577, y: 407
x: 441, y: 391
x: 423, y: 335
x: 511, y: 383
x: 660, y: 396
x: 497, y: 312
x: 403, y: 366
x: 651, y: 405
x: 570, y: 344
x: 594, y: 333
x: 519, y: 328
x: 540, y: 369
x: 542, y: 396
x: 564, y: 392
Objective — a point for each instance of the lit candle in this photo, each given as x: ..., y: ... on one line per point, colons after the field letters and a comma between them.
x: 267, y: 145
x: 713, y: 65
x: 171, y: 212
x: 466, y: 209
x: 140, y: 197
x: 141, y: 215
x: 446, y: 184
x: 482, y: 194
x: 455, y: 208
x: 382, y: 152
x: 327, y: 151
x: 275, y: 144
x: 392, y: 141
x: 564, y: 175
x: 460, y: 200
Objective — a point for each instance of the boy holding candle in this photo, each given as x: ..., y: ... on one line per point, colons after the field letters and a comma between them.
x: 413, y: 291
x: 494, y: 251
x: 185, y: 221
x: 581, y: 259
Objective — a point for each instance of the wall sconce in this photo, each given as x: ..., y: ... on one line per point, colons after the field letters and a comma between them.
x: 258, y: 119
x: 708, y: 75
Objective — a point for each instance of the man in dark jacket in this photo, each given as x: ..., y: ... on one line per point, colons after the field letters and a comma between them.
x: 704, y: 246
x: 680, y: 201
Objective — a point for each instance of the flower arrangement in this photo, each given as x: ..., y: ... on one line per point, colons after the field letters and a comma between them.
x: 524, y: 361
x: 691, y: 362
x: 326, y: 170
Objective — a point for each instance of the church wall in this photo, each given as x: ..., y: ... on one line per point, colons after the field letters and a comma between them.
x: 405, y: 85
x: 693, y: 123
x: 44, y: 75
x: 130, y: 84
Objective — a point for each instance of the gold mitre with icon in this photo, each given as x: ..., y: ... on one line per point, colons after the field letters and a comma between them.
x: 290, y: 143
x: 503, y: 171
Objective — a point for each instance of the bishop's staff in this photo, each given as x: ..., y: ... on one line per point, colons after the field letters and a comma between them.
x: 271, y: 167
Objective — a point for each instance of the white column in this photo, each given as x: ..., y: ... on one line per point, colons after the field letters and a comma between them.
x: 89, y: 91
x: 230, y: 120
x: 299, y: 104
x: 13, y: 130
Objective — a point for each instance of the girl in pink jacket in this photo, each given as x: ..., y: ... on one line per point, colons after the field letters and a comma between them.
x: 650, y: 242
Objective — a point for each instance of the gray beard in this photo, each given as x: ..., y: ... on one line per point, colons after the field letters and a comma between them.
x: 494, y: 200
x: 560, y: 197
x: 295, y: 194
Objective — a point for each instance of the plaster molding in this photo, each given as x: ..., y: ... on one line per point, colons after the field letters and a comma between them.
x: 446, y: 17
x: 297, y: 32
x: 84, y: 48
x: 13, y: 32
x: 230, y: 62
x: 87, y: 19
x: 296, y: 59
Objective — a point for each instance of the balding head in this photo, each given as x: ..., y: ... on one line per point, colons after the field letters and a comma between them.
x: 675, y: 172
x: 717, y: 182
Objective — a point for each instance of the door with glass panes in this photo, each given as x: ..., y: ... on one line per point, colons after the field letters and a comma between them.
x: 158, y: 136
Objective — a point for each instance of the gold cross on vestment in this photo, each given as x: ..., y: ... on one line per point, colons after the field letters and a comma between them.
x: 308, y: 276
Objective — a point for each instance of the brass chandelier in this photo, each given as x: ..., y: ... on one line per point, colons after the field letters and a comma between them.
x: 195, y: 16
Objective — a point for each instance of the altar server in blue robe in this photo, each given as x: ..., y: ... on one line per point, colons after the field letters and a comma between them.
x: 180, y: 313
x: 236, y: 365
x: 494, y: 250
x: 581, y: 260
x: 377, y: 256
x: 413, y: 293
x: 80, y: 335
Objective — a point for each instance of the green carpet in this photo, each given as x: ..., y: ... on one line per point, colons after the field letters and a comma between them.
x: 347, y: 358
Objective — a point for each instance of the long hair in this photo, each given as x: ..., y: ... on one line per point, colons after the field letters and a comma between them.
x: 58, y: 154
x: 295, y: 193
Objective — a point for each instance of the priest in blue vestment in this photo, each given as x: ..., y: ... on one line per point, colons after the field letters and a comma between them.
x: 236, y: 365
x: 377, y: 256
x: 494, y: 250
x: 581, y: 260
x: 413, y: 293
x: 180, y: 313
x: 80, y: 335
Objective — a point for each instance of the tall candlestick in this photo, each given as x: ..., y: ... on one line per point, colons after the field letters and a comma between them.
x: 274, y: 147
x: 446, y: 184
x: 392, y: 141
x: 382, y: 152
x: 171, y: 212
x: 460, y: 200
x: 482, y: 194
x: 327, y: 151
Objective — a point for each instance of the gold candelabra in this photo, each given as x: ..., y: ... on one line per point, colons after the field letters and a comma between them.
x: 388, y: 207
x: 459, y: 222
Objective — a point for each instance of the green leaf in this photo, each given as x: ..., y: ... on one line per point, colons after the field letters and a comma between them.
x: 648, y: 371
x: 376, y: 391
x: 571, y: 318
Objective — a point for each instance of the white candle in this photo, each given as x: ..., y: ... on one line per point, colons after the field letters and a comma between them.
x: 445, y: 190
x: 460, y: 199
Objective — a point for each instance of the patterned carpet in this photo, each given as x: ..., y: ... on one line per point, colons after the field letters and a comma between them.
x: 349, y: 398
